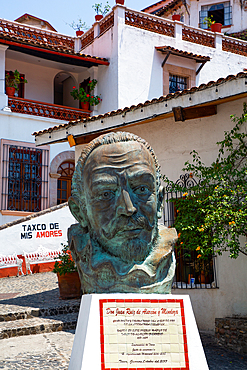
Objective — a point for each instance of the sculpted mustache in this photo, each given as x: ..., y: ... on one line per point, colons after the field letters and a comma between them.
x: 129, y: 223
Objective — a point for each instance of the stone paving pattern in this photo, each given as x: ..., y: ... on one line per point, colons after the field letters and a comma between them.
x: 38, y: 295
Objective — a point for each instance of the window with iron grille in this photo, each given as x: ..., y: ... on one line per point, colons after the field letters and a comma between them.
x: 66, y: 170
x: 191, y: 272
x: 24, y: 178
x: 220, y: 13
x: 177, y: 83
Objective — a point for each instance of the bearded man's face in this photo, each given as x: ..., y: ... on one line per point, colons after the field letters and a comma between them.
x: 121, y: 199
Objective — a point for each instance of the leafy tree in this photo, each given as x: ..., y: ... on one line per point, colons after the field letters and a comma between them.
x: 211, y: 216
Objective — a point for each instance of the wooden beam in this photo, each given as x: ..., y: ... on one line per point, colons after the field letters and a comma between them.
x: 183, y: 114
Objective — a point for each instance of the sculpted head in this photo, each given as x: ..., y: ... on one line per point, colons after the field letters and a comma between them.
x: 116, y: 195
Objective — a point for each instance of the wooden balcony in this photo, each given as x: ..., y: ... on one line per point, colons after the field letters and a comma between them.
x: 41, y: 109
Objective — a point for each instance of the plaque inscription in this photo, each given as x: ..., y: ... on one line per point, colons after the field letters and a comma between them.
x: 143, y: 334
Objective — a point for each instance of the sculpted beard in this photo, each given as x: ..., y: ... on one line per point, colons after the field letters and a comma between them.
x: 129, y: 249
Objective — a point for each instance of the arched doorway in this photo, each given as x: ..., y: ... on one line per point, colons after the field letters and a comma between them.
x: 63, y: 85
x: 65, y: 170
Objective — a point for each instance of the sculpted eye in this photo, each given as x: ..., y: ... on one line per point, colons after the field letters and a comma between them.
x: 142, y: 190
x: 106, y: 195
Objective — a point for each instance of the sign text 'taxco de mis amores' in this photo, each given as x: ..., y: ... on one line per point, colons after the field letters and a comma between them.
x: 50, y: 230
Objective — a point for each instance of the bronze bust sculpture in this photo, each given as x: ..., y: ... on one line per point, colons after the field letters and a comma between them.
x: 116, y: 198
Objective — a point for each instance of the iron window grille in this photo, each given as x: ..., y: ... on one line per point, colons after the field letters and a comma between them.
x: 177, y: 83
x: 221, y: 13
x: 188, y: 267
x: 24, y: 178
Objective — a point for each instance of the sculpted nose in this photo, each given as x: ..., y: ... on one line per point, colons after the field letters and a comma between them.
x: 125, y: 205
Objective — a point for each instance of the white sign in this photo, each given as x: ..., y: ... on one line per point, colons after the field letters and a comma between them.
x: 143, y: 334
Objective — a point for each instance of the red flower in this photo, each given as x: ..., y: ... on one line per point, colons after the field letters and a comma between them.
x: 98, y: 99
x: 90, y: 82
x: 88, y: 95
x: 73, y: 87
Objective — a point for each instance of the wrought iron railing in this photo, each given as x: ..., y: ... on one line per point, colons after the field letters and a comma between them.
x: 36, y: 108
x: 191, y: 272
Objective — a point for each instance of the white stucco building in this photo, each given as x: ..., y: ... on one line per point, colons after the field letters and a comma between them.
x: 174, y: 125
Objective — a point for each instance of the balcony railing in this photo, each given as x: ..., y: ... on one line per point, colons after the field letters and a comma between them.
x: 166, y: 27
x: 36, y: 108
x: 43, y: 38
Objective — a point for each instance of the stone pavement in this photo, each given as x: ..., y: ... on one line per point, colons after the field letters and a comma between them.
x: 37, y: 296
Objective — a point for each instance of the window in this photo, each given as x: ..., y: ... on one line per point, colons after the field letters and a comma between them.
x: 24, y: 178
x: 221, y: 13
x: 188, y: 266
x: 177, y: 83
x: 66, y: 170
x: 20, y: 92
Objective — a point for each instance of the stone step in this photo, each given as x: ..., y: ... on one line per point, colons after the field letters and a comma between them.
x: 38, y: 325
x: 64, y: 308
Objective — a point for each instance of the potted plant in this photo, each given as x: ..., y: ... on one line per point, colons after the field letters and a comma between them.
x: 12, y: 80
x: 215, y: 27
x: 78, y: 27
x: 86, y: 98
x: 100, y: 11
x: 67, y: 274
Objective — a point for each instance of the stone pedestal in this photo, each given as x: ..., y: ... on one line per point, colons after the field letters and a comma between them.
x: 137, y: 331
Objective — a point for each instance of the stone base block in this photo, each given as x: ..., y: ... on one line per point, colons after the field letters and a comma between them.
x: 137, y: 331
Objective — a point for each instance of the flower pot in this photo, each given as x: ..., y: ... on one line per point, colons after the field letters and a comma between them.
x: 10, y: 91
x: 121, y: 2
x: 84, y: 105
x: 69, y: 285
x: 176, y: 17
x: 98, y: 17
x: 79, y: 33
x: 216, y: 27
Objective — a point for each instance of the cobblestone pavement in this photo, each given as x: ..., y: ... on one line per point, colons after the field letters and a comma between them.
x: 51, y: 351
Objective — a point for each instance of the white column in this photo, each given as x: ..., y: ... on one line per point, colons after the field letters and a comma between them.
x: 77, y: 44
x: 93, y: 71
x: 96, y: 29
x: 218, y: 41
x: 3, y: 96
x: 178, y: 30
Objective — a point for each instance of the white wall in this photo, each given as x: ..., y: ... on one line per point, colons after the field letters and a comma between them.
x: 135, y: 73
x: 14, y: 239
x: 39, y: 74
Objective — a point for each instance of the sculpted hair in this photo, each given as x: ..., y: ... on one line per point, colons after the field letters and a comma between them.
x: 112, y: 137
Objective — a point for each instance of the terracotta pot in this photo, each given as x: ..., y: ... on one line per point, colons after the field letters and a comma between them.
x: 10, y: 91
x: 98, y: 17
x: 201, y: 277
x: 216, y: 27
x: 84, y: 105
x: 69, y: 285
x: 121, y: 2
x: 176, y: 17
x: 79, y: 33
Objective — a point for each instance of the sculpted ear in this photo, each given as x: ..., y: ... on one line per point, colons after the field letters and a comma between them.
x: 77, y: 211
x: 161, y: 194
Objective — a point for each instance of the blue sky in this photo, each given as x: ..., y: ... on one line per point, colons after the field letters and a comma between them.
x: 60, y: 12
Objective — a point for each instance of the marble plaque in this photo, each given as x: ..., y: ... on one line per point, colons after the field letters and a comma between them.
x: 143, y: 334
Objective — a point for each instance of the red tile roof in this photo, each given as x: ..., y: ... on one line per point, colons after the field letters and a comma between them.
x: 146, y: 103
x: 25, y: 16
x: 186, y: 54
x: 168, y: 8
x: 25, y: 36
